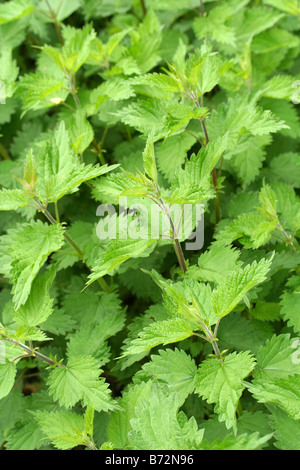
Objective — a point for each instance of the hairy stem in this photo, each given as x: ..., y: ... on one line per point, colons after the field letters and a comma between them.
x: 195, y: 137
x: 213, y: 173
x: 70, y: 240
x: 143, y: 5
x: 201, y: 7
x: 98, y: 149
x: 4, y: 153
x: 287, y: 237
x: 56, y: 23
x: 67, y: 237
x: 180, y: 255
x: 33, y: 353
x: 56, y: 212
x: 177, y: 245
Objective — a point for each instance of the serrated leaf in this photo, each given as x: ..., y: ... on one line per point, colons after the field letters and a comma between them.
x: 80, y: 382
x: 235, y: 287
x: 119, y: 251
x: 275, y: 359
x: 164, y: 332
x: 37, y: 90
x: 209, y: 263
x: 159, y: 426
x: 59, y: 170
x: 290, y: 304
x: 119, y: 424
x: 284, y: 392
x: 25, y: 250
x: 174, y: 368
x: 39, y: 305
x: 149, y: 159
x: 12, y: 199
x: 241, y: 442
x: 221, y: 383
x: 7, y: 378
x: 290, y: 6
x: 65, y: 429
x: 14, y: 10
x: 286, y: 430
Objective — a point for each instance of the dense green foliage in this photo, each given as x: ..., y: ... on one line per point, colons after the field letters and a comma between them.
x: 142, y: 344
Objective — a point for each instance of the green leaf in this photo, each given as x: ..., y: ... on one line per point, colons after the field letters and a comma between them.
x: 79, y: 381
x: 190, y: 185
x: 149, y: 159
x: 10, y: 410
x: 179, y: 115
x: 7, y: 378
x: 209, y: 263
x: 231, y: 333
x: 26, y: 435
x: 9, y: 71
x: 159, y: 426
x: 174, y: 368
x: 290, y: 6
x: 39, y: 305
x: 252, y: 22
x: 221, y: 383
x: 242, y: 442
x: 280, y: 87
x: 13, y: 199
x: 286, y: 167
x: 64, y: 428
x: 75, y: 51
x: 240, y: 115
x: 145, y: 116
x: 119, y: 251
x: 267, y: 199
x: 24, y: 251
x: 81, y: 132
x: 284, y: 392
x: 164, y: 332
x: 61, y: 10
x: 177, y: 146
x: 275, y: 359
x: 246, y: 159
x: 37, y: 91
x: 90, y: 340
x: 190, y: 299
x: 145, y: 43
x: 215, y: 25
x: 119, y: 424
x: 30, y: 333
x: 286, y: 430
x: 226, y: 297
x: 14, y: 10
x: 290, y: 303
x: 59, y: 170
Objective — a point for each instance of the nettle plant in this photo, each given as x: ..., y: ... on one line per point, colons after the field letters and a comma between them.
x: 131, y: 342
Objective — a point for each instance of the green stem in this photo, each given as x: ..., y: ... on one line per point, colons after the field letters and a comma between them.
x: 143, y: 5
x: 99, y: 150
x: 56, y: 213
x: 180, y: 255
x: 195, y: 137
x: 177, y: 245
x: 33, y: 353
x: 201, y: 8
x: 239, y: 409
x: 213, y: 173
x: 287, y: 237
x: 56, y: 23
x: 70, y: 240
x: 4, y: 153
